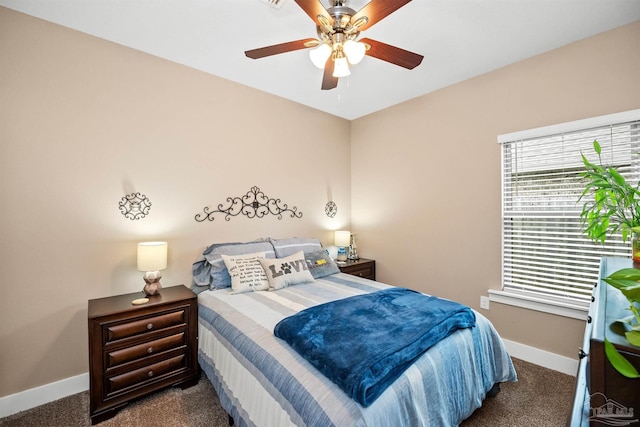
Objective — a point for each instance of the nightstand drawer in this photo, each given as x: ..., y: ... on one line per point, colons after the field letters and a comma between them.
x: 141, y: 376
x: 365, y: 272
x: 129, y: 329
x: 362, y: 267
x: 115, y: 358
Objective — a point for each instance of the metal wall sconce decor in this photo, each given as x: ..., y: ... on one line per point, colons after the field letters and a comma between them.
x: 254, y: 204
x: 331, y: 209
x: 135, y: 206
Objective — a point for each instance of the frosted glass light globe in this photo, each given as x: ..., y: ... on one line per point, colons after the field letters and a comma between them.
x: 355, y: 51
x: 341, y: 67
x: 320, y: 55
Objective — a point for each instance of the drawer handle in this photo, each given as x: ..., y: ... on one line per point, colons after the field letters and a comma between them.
x: 150, y: 374
x: 150, y: 326
x: 150, y: 350
x: 582, y: 354
x: 589, y: 319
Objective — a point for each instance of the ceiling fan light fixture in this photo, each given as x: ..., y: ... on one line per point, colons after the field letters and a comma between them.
x: 338, y: 28
x: 320, y: 55
x: 355, y: 51
x: 341, y: 67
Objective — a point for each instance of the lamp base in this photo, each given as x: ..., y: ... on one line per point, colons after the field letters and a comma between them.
x: 152, y: 287
x: 342, y: 254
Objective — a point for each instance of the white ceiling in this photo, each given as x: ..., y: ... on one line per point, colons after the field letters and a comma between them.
x: 458, y: 38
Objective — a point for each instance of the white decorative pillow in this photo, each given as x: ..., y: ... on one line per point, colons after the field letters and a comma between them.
x: 246, y: 272
x: 283, y: 272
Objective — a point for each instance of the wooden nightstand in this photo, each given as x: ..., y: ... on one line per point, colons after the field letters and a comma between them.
x: 135, y: 350
x: 360, y: 267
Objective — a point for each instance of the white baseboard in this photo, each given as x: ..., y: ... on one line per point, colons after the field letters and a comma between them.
x: 18, y: 402
x: 543, y: 358
x: 28, y: 399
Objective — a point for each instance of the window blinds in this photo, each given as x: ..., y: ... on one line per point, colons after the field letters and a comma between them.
x: 545, y: 252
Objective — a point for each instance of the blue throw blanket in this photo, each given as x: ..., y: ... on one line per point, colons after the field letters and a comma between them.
x: 364, y: 343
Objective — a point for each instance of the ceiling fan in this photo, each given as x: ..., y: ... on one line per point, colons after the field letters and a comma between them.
x: 338, y: 28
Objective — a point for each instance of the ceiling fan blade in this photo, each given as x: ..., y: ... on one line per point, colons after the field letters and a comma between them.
x: 313, y: 8
x: 328, y: 81
x: 393, y: 54
x: 376, y: 10
x: 280, y: 48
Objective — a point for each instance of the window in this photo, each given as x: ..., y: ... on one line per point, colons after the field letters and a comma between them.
x: 546, y: 258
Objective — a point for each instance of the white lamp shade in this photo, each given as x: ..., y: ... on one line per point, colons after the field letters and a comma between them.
x: 320, y: 55
x: 341, y: 67
x: 152, y: 256
x: 342, y: 239
x: 355, y: 51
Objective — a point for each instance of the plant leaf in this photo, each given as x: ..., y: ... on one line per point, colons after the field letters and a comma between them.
x: 632, y: 293
x: 629, y: 288
x: 585, y: 161
x: 618, y: 361
x: 596, y: 147
x: 620, y: 283
x: 616, y: 176
x: 633, y: 337
x: 626, y: 273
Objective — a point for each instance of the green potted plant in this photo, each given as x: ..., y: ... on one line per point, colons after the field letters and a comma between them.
x: 613, y: 204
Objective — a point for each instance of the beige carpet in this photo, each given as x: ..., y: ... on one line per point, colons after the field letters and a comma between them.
x: 540, y: 398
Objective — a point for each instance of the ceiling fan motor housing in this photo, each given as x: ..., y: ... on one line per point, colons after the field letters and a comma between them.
x: 342, y: 16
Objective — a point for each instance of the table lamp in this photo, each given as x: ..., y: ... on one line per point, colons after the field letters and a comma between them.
x: 152, y: 257
x: 342, y: 240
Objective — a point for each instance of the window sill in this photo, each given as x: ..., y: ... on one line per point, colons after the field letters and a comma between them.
x: 576, y: 310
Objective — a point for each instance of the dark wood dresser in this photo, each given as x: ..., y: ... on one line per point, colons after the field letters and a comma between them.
x: 359, y: 267
x: 135, y: 350
x: 600, y: 390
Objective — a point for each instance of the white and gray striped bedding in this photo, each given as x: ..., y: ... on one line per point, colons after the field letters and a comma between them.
x: 261, y: 381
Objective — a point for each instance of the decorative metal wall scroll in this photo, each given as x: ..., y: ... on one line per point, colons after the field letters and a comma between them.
x: 331, y: 209
x: 135, y: 206
x: 254, y: 204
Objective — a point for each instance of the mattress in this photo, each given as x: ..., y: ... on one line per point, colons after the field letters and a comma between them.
x: 261, y: 381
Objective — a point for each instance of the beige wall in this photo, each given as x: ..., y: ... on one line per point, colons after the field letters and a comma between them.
x: 84, y: 122
x: 425, y: 175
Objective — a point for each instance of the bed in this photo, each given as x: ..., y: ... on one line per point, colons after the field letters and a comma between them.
x: 262, y: 381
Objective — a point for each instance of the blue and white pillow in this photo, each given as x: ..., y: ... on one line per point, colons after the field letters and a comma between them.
x: 287, y: 247
x: 210, y: 272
